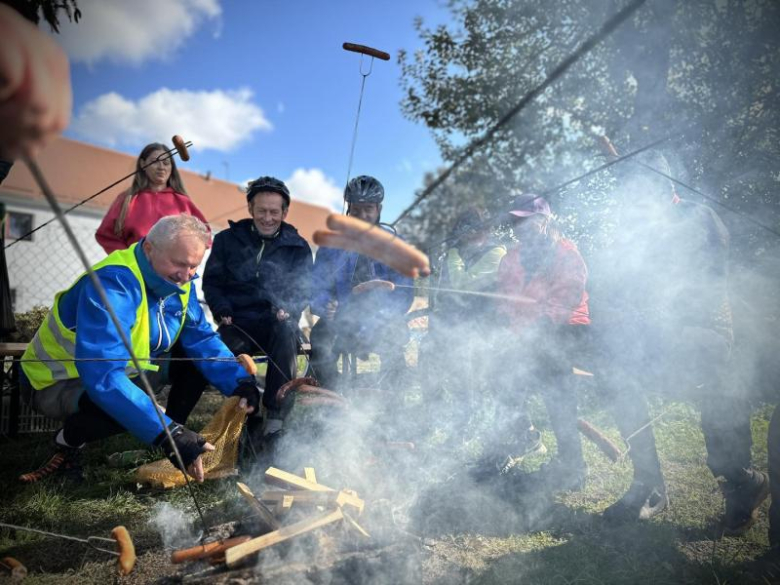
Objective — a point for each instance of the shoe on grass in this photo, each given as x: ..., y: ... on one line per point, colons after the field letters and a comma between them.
x: 742, y: 501
x: 501, y: 459
x: 64, y: 463
x: 642, y: 501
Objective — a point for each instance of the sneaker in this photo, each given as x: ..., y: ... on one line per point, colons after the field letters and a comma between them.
x: 66, y: 463
x: 642, y: 501
x: 742, y: 501
x: 530, y: 445
x: 498, y: 462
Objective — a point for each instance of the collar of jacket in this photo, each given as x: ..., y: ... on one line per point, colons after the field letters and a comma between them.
x: 260, y: 236
x: 287, y: 235
x: 156, y: 284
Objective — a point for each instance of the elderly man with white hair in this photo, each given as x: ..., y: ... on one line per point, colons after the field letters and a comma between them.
x: 77, y: 368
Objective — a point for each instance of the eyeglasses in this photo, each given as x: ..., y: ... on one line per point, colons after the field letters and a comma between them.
x: 163, y: 159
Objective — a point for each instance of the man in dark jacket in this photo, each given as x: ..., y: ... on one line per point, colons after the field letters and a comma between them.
x: 664, y: 323
x: 352, y: 318
x: 257, y: 283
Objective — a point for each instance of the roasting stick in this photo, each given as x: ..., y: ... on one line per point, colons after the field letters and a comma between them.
x: 179, y: 146
x: 121, y: 538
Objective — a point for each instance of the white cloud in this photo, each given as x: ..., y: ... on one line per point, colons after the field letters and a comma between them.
x: 135, y: 31
x: 219, y: 120
x: 313, y: 186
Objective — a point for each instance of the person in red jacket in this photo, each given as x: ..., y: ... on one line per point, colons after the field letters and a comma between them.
x: 157, y: 191
x: 543, y: 279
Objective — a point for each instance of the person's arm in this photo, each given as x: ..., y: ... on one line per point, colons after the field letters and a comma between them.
x: 199, y: 340
x: 300, y: 293
x: 567, y: 285
x: 481, y: 276
x: 323, y: 282
x: 214, y: 278
x: 402, y: 296
x: 35, y: 90
x: 105, y: 235
x: 703, y: 300
x: 105, y: 382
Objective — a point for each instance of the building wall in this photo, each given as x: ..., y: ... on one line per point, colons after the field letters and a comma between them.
x: 38, y: 269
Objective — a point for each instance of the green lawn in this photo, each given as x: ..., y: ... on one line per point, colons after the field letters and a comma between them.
x: 493, y: 540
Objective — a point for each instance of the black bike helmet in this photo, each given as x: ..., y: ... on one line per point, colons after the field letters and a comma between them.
x: 364, y: 189
x: 268, y: 185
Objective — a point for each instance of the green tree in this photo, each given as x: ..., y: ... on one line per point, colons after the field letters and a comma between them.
x: 50, y: 10
x: 711, y: 67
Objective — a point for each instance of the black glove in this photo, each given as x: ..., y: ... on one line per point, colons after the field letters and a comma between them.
x: 251, y: 392
x: 189, y: 443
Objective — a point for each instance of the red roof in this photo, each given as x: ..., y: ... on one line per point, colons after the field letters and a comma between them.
x: 76, y: 170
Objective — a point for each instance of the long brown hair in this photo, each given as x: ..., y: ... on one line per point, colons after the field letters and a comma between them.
x: 141, y: 182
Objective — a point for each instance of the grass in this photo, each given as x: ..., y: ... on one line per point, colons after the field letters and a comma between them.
x: 495, y: 539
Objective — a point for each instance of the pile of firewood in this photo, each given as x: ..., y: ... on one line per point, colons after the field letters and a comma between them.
x: 322, y: 505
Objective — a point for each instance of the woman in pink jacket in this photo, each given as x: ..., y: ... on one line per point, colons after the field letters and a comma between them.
x: 157, y: 191
x: 543, y: 279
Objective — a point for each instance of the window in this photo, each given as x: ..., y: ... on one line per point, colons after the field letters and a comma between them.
x: 18, y: 225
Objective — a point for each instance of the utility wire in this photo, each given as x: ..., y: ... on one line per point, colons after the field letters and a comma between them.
x: 164, y: 156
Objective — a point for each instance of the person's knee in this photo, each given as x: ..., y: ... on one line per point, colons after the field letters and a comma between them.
x: 235, y: 341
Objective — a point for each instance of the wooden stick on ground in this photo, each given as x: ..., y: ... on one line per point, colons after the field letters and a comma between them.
x: 266, y: 516
x: 236, y: 554
x: 274, y: 475
x: 306, y: 497
x: 600, y: 439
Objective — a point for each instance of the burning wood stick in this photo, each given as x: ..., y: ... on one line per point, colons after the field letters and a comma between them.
x: 266, y: 516
x: 600, y: 439
x: 209, y: 550
x: 236, y: 554
x: 341, y: 499
x: 274, y: 475
x: 351, y: 521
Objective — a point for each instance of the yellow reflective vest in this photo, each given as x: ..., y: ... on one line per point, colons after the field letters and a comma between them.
x: 51, y: 352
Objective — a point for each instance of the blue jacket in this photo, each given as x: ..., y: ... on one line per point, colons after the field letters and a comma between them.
x: 332, y: 280
x: 105, y: 382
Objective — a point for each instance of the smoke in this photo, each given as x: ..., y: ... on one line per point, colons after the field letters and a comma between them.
x: 681, y: 294
x: 174, y: 526
x: 672, y: 316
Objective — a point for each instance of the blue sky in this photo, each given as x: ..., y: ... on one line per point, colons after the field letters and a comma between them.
x: 262, y: 86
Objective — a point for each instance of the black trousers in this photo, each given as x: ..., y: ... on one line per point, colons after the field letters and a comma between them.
x: 91, y: 423
x: 687, y: 363
x: 542, y: 363
x: 277, y: 339
x: 331, y: 338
